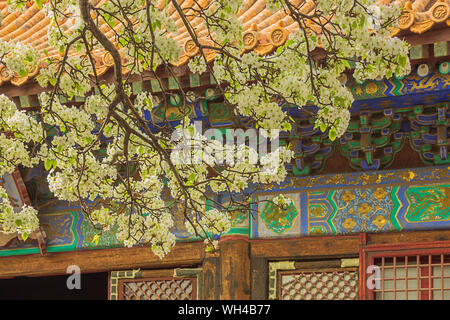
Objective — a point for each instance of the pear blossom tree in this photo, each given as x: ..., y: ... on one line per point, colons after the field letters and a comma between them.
x: 127, y: 172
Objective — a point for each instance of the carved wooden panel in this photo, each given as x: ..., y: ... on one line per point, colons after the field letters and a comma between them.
x: 158, y: 289
x: 320, y: 285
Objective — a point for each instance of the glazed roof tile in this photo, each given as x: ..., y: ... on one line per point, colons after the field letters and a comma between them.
x: 259, y: 25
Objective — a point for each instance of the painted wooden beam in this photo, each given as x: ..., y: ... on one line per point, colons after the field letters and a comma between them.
x: 183, y: 254
x: 408, y: 237
x: 428, y: 37
x: 305, y: 247
x: 339, y: 246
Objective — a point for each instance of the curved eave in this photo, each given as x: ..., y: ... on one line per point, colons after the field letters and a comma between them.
x: 263, y: 31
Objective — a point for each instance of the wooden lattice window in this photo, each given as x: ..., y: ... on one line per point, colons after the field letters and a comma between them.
x: 419, y: 277
x: 173, y: 284
x: 158, y: 289
x: 408, y: 272
x: 319, y: 280
x: 325, y: 285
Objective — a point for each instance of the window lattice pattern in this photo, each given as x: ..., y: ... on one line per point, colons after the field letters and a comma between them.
x: 174, y: 289
x: 420, y: 277
x: 334, y: 285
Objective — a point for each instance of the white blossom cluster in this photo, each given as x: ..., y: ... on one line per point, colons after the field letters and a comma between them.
x: 97, y: 104
x: 73, y: 79
x: 282, y: 201
x: 229, y: 29
x: 241, y: 165
x: 357, y: 32
x: 106, y: 155
x: 18, y: 129
x: 18, y: 58
x: 154, y: 230
x: 211, y: 224
x: 150, y: 42
x: 23, y: 222
x: 197, y: 65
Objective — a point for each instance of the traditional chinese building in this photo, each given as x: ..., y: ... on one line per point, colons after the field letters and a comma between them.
x: 378, y: 196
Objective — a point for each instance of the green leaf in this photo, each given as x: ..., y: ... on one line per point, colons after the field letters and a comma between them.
x: 191, y: 179
x: 163, y: 144
x: 95, y: 239
x: 136, y: 39
x: 388, y: 74
x: 39, y: 4
x: 287, y: 126
x: 48, y: 164
x: 24, y: 236
x: 109, y: 20
x: 402, y: 61
x: 362, y: 21
x: 148, y: 102
x: 332, y: 134
x: 323, y: 127
x: 23, y: 73
x: 346, y: 64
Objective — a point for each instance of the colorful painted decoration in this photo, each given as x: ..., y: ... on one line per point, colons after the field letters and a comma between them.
x: 428, y: 203
x: 278, y: 218
x: 353, y: 203
x: 378, y: 201
x: 423, y: 70
x: 444, y: 67
x: 430, y: 135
